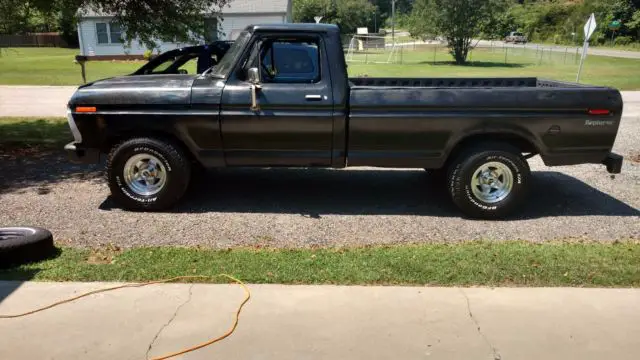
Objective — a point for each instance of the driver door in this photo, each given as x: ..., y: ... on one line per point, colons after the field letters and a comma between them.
x: 293, y: 124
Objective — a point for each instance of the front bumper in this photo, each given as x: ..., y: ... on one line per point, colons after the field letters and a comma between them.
x: 79, y: 154
x: 613, y: 162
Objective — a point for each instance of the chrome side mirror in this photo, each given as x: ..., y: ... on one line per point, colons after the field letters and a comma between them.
x: 253, y: 75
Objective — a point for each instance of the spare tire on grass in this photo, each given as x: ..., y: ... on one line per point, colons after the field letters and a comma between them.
x: 20, y: 244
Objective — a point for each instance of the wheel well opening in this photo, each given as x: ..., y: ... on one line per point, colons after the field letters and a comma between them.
x: 524, y: 145
x: 114, y: 139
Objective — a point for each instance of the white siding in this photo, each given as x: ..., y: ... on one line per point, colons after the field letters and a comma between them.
x: 230, y: 27
x: 233, y: 24
x: 89, y: 41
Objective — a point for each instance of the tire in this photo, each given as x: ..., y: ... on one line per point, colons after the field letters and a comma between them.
x: 19, y: 245
x: 168, y: 171
x: 488, y: 166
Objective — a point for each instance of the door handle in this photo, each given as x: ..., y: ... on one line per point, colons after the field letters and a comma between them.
x: 313, y: 97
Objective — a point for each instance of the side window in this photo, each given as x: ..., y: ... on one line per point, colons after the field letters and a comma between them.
x: 289, y: 61
x: 101, y: 30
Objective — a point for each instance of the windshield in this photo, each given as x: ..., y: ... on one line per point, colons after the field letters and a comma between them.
x: 224, y: 66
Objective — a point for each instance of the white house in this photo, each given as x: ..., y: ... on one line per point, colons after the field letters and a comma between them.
x: 99, y: 38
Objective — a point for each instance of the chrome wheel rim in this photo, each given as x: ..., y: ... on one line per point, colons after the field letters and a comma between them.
x: 145, y: 174
x: 492, y: 182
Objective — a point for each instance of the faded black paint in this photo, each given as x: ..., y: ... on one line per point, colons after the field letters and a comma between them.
x: 387, y: 122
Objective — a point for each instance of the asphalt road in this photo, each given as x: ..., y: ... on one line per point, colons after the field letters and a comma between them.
x: 35, y: 100
x: 303, y: 207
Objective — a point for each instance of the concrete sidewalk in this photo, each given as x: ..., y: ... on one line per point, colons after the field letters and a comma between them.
x: 322, y: 322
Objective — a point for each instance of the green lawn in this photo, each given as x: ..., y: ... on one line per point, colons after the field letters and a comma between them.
x: 472, y: 263
x: 623, y: 74
x: 17, y: 132
x: 52, y: 66
x: 55, y: 66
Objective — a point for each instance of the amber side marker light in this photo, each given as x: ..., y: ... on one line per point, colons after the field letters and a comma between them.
x: 599, y: 112
x: 85, y: 109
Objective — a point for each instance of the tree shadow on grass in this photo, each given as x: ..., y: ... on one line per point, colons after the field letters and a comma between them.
x: 42, y: 133
x: 32, y: 155
x: 479, y: 64
x: 13, y: 276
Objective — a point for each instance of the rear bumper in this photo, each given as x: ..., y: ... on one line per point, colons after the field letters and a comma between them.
x: 613, y: 162
x: 79, y: 154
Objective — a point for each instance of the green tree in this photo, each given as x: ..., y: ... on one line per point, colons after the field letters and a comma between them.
x: 348, y: 14
x: 634, y: 24
x: 458, y: 21
x: 149, y: 21
x: 304, y: 11
x: 14, y: 17
x: 559, y: 20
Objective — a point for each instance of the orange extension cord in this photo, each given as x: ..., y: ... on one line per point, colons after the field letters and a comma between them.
x: 168, y: 356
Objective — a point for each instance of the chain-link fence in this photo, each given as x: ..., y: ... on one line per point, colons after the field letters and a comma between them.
x: 377, y: 49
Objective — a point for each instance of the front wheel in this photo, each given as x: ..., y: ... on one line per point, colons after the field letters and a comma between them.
x: 489, y: 181
x: 148, y: 174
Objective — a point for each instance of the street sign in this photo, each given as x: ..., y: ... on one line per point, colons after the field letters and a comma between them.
x: 615, y: 25
x: 317, y: 19
x: 589, y: 27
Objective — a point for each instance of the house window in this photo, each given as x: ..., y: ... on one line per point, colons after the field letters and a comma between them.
x: 108, y: 33
x: 103, y: 34
x: 115, y: 34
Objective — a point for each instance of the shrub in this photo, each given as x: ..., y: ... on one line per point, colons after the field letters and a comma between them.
x: 148, y: 54
x: 623, y: 40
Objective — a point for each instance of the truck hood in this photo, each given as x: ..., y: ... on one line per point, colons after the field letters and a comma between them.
x: 136, y: 90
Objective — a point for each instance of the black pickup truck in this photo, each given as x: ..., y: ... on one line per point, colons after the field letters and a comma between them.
x: 281, y: 97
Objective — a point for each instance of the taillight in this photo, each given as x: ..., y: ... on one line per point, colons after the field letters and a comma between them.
x: 598, y: 112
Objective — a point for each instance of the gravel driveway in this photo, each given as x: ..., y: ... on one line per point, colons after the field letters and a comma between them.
x: 292, y: 208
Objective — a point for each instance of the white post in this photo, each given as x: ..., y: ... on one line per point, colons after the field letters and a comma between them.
x: 589, y: 28
x: 585, y: 46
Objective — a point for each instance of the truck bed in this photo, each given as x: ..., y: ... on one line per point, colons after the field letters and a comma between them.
x: 461, y: 82
x: 423, y: 119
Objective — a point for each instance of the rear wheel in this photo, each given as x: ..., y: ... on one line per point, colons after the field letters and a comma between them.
x: 148, y: 174
x: 489, y: 181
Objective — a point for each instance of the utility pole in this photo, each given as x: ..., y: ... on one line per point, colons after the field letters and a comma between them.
x: 393, y: 21
x: 375, y: 21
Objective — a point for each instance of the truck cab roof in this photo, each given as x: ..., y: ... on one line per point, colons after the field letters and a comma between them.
x: 293, y: 27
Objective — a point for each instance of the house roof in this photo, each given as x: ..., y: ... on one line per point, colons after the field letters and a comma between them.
x: 235, y: 7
